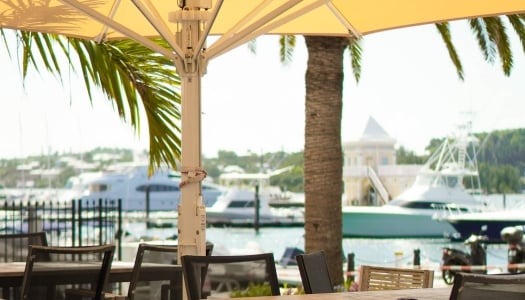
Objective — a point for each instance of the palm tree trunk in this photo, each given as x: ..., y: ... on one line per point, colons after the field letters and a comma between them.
x: 323, y: 157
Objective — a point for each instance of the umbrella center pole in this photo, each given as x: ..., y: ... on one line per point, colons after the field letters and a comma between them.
x: 191, y: 66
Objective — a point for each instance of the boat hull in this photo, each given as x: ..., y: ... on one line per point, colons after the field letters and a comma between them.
x: 489, y: 223
x: 241, y: 219
x: 381, y: 222
x: 493, y: 228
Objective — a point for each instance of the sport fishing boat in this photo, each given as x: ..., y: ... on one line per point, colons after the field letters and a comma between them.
x: 416, y: 211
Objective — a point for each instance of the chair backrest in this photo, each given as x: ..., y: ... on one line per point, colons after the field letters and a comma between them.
x: 150, y: 253
x: 386, y: 278
x: 314, y: 273
x: 158, y: 254
x: 229, y: 273
x: 14, y: 247
x: 470, y: 286
x: 38, y: 256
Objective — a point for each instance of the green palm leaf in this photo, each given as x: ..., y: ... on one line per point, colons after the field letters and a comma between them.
x: 130, y: 75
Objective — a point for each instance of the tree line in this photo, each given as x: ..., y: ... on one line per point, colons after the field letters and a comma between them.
x: 500, y: 154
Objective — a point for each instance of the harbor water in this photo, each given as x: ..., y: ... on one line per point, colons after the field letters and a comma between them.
x: 385, y: 252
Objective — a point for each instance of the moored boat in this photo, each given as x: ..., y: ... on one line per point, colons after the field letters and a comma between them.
x: 238, y: 207
x: 413, y: 213
x: 141, y: 192
x: 489, y: 223
x: 248, y: 202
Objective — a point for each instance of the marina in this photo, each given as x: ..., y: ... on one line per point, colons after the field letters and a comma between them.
x: 382, y: 252
x: 235, y: 240
x: 245, y: 214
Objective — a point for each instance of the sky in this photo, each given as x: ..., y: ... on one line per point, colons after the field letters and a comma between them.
x: 251, y: 102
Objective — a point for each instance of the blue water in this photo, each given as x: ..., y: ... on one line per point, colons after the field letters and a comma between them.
x: 366, y: 251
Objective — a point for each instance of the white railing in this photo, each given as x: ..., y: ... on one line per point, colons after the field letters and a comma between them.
x: 378, y: 185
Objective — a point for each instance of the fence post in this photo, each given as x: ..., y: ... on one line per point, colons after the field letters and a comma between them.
x: 73, y: 222
x: 119, y: 230
x: 80, y: 223
x: 148, y: 208
x: 100, y: 242
x: 350, y: 267
x: 417, y: 258
x: 257, y: 209
x: 32, y: 217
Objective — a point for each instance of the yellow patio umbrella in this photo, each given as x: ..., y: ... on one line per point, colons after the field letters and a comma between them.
x: 186, y: 25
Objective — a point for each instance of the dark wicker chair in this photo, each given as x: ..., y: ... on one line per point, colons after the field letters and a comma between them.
x: 98, y: 257
x: 229, y: 273
x: 151, y: 253
x: 471, y: 286
x: 314, y: 273
x: 14, y: 247
x: 157, y: 253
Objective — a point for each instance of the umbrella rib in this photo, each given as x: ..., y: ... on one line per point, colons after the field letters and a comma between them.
x: 243, y: 21
x: 154, y: 18
x: 255, y: 33
x: 233, y: 40
x: 118, y: 27
x: 206, y: 32
x: 231, y: 32
x: 102, y: 35
x: 344, y: 21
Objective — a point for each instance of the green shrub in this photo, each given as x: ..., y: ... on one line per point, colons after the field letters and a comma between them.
x: 253, y: 290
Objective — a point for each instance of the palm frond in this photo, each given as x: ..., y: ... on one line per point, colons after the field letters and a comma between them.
x: 499, y: 38
x: 444, y: 31
x: 286, y: 49
x: 128, y: 74
x: 252, y: 46
x: 355, y: 51
x: 477, y: 26
x: 36, y: 49
x: 516, y: 21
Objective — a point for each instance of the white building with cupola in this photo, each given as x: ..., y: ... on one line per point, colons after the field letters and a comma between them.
x: 371, y: 174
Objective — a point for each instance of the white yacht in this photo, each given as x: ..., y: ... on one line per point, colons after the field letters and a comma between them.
x: 238, y: 206
x: 414, y: 213
x: 133, y: 186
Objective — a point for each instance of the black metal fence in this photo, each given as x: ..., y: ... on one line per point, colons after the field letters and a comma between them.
x: 66, y: 223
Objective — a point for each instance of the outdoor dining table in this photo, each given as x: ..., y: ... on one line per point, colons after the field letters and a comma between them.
x: 440, y: 293
x: 49, y: 273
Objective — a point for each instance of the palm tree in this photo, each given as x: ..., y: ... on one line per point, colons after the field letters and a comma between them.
x: 129, y: 74
x: 323, y: 158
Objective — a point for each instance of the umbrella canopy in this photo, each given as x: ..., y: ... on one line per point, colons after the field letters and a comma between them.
x: 186, y: 24
x: 308, y: 17
x: 236, y: 21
